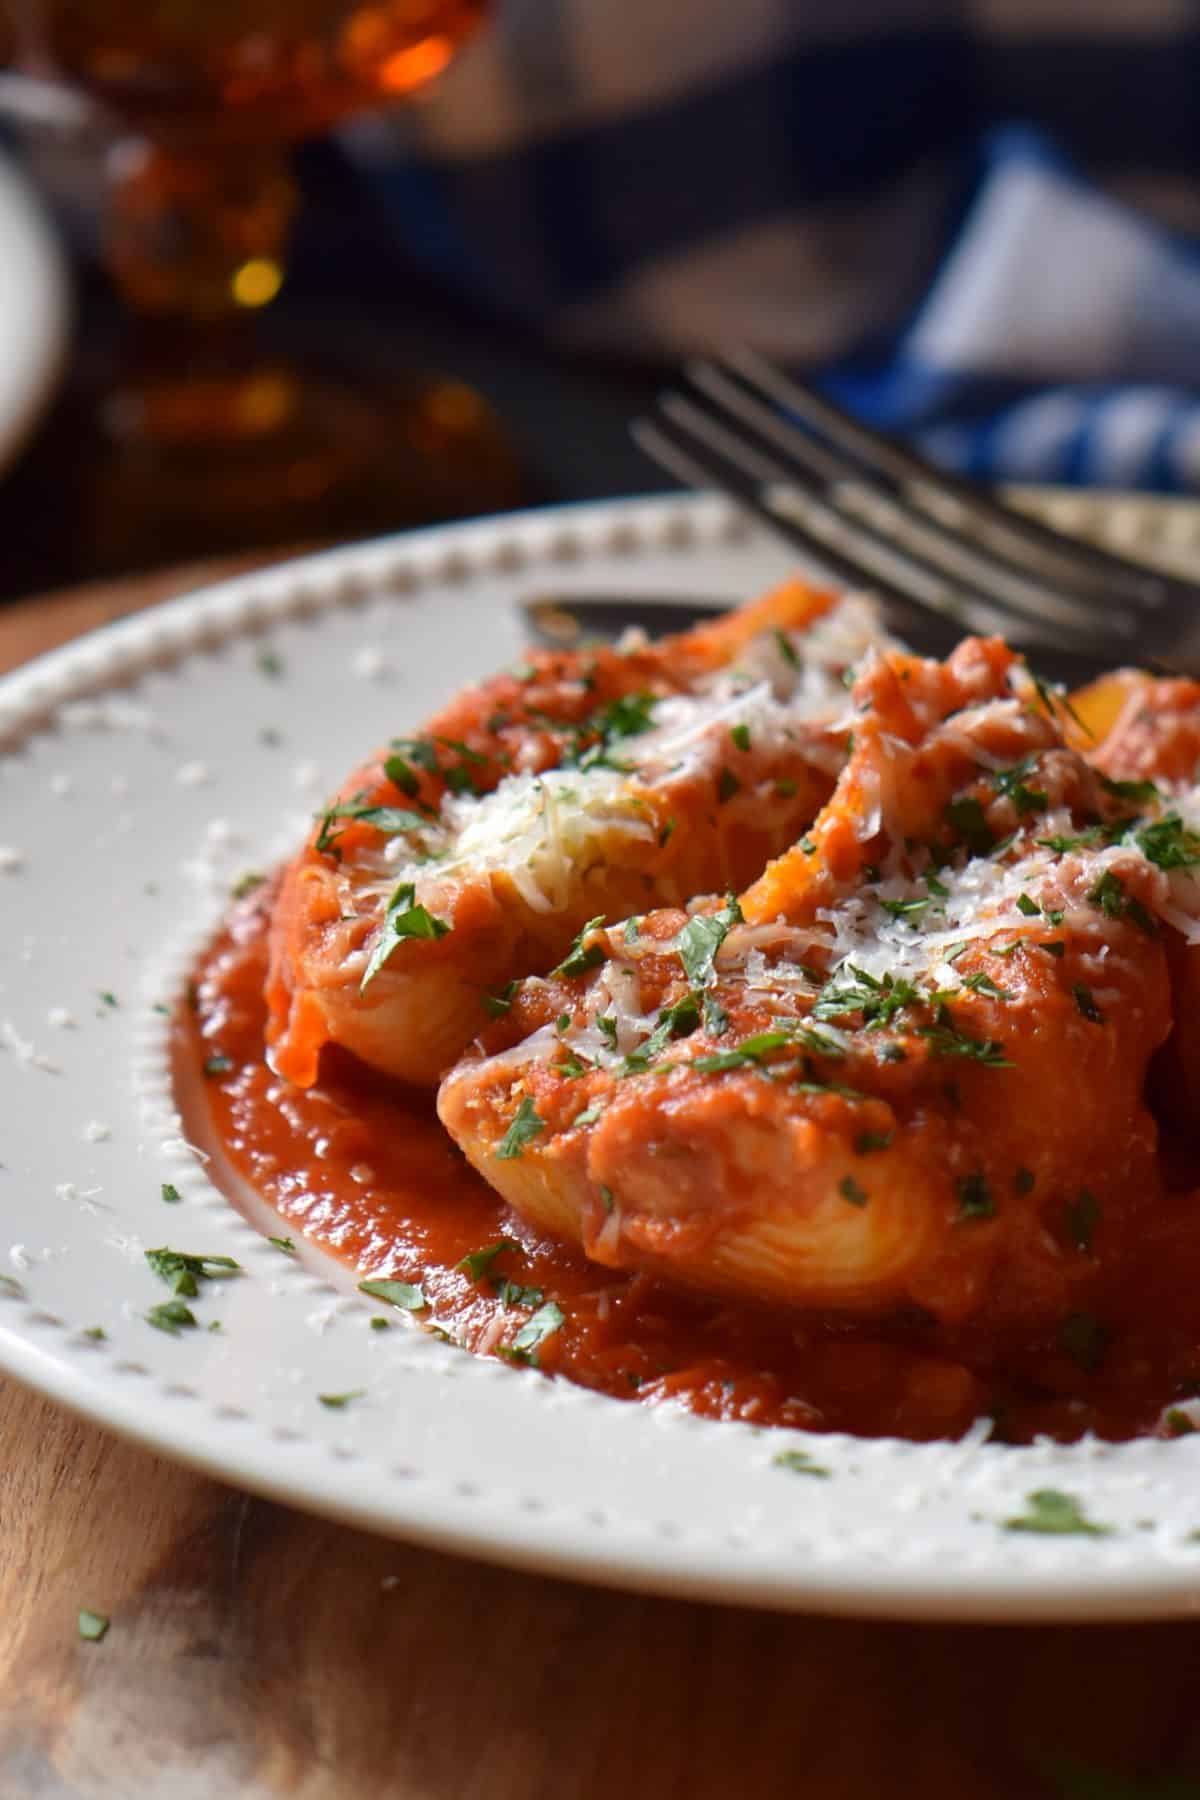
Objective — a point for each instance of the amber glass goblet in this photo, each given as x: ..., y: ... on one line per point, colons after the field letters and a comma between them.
x: 207, y: 97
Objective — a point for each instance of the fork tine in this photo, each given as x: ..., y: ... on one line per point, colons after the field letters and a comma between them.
x: 1005, y: 583
x: 1086, y: 569
x: 936, y: 629
x: 927, y: 628
x: 876, y: 550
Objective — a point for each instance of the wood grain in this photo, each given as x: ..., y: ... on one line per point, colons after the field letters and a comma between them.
x: 256, y: 1652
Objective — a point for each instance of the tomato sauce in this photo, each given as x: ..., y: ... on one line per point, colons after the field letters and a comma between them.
x: 362, y: 1168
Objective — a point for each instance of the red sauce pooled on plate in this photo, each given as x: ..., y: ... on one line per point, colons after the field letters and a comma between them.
x: 363, y: 1168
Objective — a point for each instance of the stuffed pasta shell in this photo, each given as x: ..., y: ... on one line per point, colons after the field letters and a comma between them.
x: 905, y: 1070
x: 584, y: 784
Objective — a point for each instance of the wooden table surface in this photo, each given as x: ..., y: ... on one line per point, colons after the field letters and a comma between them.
x: 254, y: 1651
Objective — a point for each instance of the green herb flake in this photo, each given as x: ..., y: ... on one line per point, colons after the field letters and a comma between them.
x: 740, y: 735
x: 968, y: 821
x: 727, y: 785
x: 1029, y: 907
x: 172, y: 1316
x: 283, y: 1243
x: 849, y: 1189
x: 752, y: 1051
x: 867, y: 1141
x: 545, y: 1322
x: 497, y: 1004
x: 335, y: 1402
x: 975, y: 1200
x: 526, y: 1125
x: 583, y: 956
x: 401, y: 774
x: 1169, y: 843
x: 108, y: 999
x: 405, y: 918
x: 1052, y: 1513
x: 379, y: 1323
x: 607, y: 1198
x: 477, y: 1263
x: 701, y: 938
x: 246, y: 884
x: 170, y: 1193
x: 1085, y: 1000
x: 269, y: 662
x: 1178, y: 1423
x: 183, y: 1271
x: 217, y: 1064
x: 1141, y: 793
x: 97, y: 1333
x: 92, y: 1625
x: 404, y: 1294
x: 632, y: 930
x: 1011, y: 783
x: 799, y: 1462
x: 786, y: 649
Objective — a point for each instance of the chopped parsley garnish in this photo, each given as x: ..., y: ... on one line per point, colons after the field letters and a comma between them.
x: 849, y: 1189
x: 405, y: 918
x: 786, y: 648
x: 379, y: 1323
x: 1178, y: 1423
x: 97, y: 1333
x: 497, y: 1004
x: 1083, y: 1216
x: 877, y: 999
x: 727, y: 785
x: 867, y: 1141
x: 335, y: 1402
x: 170, y: 1193
x: 752, y: 1051
x: 592, y: 741
x: 1055, y: 1514
x: 903, y: 909
x: 667, y: 833
x: 544, y: 1323
x: 183, y: 1272
x: 583, y: 956
x: 945, y: 1039
x: 983, y: 984
x: 1109, y: 894
x: 975, y: 1199
x: 675, y: 1021
x: 217, y: 1064
x: 269, y: 662
x: 1169, y: 843
x: 108, y: 999
x: 1029, y: 907
x: 284, y: 1244
x: 808, y: 846
x: 631, y: 931
x: 245, y: 884
x: 1060, y: 844
x: 1085, y: 1000
x: 967, y: 820
x: 716, y: 1019
x: 171, y: 1316
x: 740, y: 734
x: 404, y: 1294
x: 92, y: 1625
x: 1011, y: 783
x: 401, y: 774
x: 606, y: 1025
x: 701, y: 938
x: 477, y: 1263
x: 799, y: 1462
x: 511, y: 1293
x: 1141, y: 793
x: 589, y: 1115
x: 525, y: 1127
x: 607, y: 1198
x: 391, y: 820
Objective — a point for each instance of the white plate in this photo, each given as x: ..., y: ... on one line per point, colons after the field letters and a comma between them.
x: 137, y: 788
x: 34, y: 309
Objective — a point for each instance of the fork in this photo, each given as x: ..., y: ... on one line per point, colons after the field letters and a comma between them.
x: 942, y: 555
